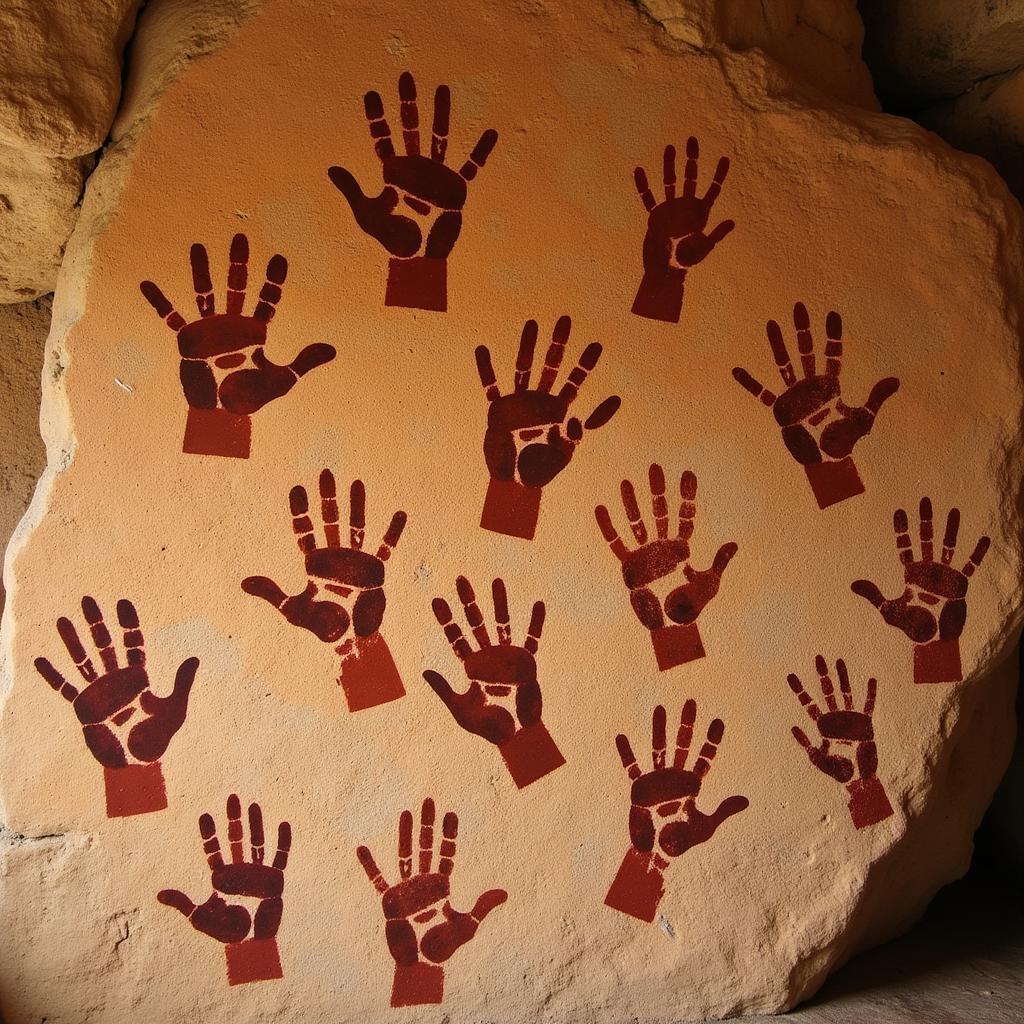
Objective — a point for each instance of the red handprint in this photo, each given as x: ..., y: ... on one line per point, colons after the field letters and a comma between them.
x: 852, y: 731
x: 676, y: 238
x: 664, y: 821
x: 130, y: 756
x: 368, y: 673
x: 503, y: 703
x: 818, y: 427
x: 420, y: 947
x: 248, y: 931
x: 932, y: 609
x: 678, y: 640
x: 221, y: 391
x: 419, y: 248
x: 524, y: 446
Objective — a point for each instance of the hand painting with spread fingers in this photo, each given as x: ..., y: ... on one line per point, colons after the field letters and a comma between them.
x: 664, y: 821
x: 418, y: 215
x: 126, y: 726
x: 222, y: 391
x: 422, y: 928
x: 677, y: 238
x: 853, y: 733
x: 818, y: 428
x: 528, y: 441
x: 503, y: 703
x: 247, y: 929
x: 350, y: 611
x: 932, y: 609
x: 672, y: 620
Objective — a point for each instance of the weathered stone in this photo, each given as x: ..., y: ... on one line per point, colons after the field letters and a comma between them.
x: 918, y: 247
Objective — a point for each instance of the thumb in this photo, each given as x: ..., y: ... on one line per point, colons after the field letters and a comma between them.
x: 311, y: 357
x: 868, y: 590
x: 720, y: 232
x: 441, y: 687
x: 487, y: 902
x: 603, y: 413
x: 176, y: 899
x: 724, y: 557
x: 881, y: 393
x: 728, y: 807
x: 343, y: 181
x: 184, y: 679
x: 262, y: 586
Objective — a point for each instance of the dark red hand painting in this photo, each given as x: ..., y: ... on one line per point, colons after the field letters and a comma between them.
x: 528, y: 441
x: 664, y: 821
x: 126, y: 726
x: 852, y: 732
x: 225, y: 374
x: 350, y: 610
x: 418, y: 215
x: 422, y: 928
x: 247, y: 929
x: 677, y: 238
x: 672, y: 619
x: 503, y: 703
x: 818, y: 427
x: 932, y: 609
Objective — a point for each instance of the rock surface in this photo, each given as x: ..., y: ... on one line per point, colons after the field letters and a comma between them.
x: 843, y: 210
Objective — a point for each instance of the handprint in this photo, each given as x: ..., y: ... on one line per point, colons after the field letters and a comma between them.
x: 677, y: 238
x: 854, y: 734
x: 818, y: 427
x: 932, y: 609
x: 422, y: 928
x: 503, y: 702
x: 248, y: 930
x: 129, y: 753
x: 221, y: 391
x: 421, y: 236
x: 355, y: 578
x: 524, y: 446
x: 672, y: 620
x: 664, y: 821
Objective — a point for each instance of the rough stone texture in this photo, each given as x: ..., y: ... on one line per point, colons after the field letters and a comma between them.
x: 927, y: 49
x: 845, y: 209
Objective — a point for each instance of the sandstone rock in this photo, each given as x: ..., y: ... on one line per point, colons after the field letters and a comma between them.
x: 263, y: 149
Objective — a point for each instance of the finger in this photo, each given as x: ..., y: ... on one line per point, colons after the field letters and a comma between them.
x: 868, y: 590
x: 162, y: 305
x: 812, y: 709
x: 134, y: 642
x: 487, y: 902
x: 238, y: 273
x: 643, y: 189
x: 441, y: 687
x: 659, y: 503
x: 719, y: 232
x: 426, y: 836
x: 833, y: 344
x: 357, y: 515
x: 302, y: 525
x: 67, y: 632
x: 580, y: 372
x: 869, y: 700
x: 449, y: 835
x: 555, y: 354
x: 201, y: 281
x: 256, y: 836
x: 371, y: 869
x: 176, y: 899
x: 804, y: 341
x: 690, y: 168
x: 100, y: 634
x: 844, y: 684
x: 658, y: 743
x: 629, y: 503
x: 687, y: 504
x: 55, y: 679
x: 754, y: 386
x: 380, y: 130
x: 977, y: 555
x: 391, y: 538
x: 329, y: 508
x: 669, y: 172
x: 610, y: 534
x: 684, y: 734
x: 405, y: 844
x: 524, y: 360
x: 486, y: 371
x: 949, y: 538
x: 721, y: 170
x: 927, y: 530
x: 442, y: 115
x: 716, y: 730
x: 284, y: 845
x: 270, y: 293
x: 827, y: 689
x: 474, y: 616
x: 781, y: 353
x: 452, y: 630
x: 481, y: 151
x: 535, y: 628
x: 901, y: 527
x: 627, y: 757
x: 211, y: 842
x: 603, y: 413
x: 501, y: 617
x: 410, y: 114
x: 234, y: 811
x: 261, y: 586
